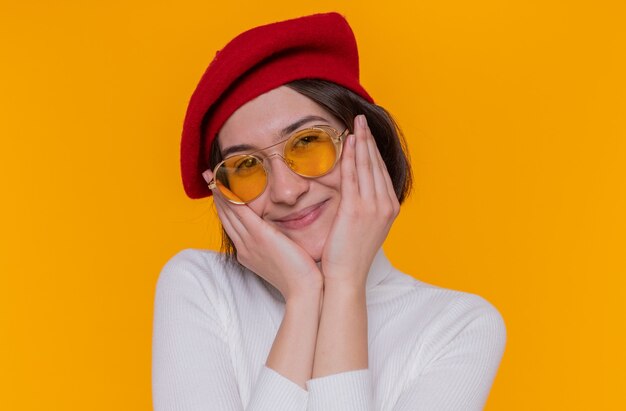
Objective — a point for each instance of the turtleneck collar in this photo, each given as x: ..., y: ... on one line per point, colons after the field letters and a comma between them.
x: 380, y: 269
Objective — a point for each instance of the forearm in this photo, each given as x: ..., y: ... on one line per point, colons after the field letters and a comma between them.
x: 294, y: 346
x: 342, y: 335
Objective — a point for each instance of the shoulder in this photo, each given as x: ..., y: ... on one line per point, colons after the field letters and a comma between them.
x: 212, y: 277
x: 446, y: 312
x: 471, y: 313
x: 468, y: 318
x: 194, y: 264
x: 197, y: 258
x: 197, y: 276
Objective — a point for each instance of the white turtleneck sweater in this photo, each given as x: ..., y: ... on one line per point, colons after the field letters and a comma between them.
x: 429, y: 348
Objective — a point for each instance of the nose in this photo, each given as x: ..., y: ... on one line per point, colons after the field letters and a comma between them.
x: 284, y: 185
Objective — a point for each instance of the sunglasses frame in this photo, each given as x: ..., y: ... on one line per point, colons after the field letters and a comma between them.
x: 336, y: 137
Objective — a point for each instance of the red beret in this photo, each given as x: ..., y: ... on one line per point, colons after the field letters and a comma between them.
x: 321, y: 46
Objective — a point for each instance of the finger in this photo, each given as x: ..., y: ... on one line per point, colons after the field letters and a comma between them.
x: 246, y: 221
x: 381, y: 170
x: 380, y: 185
x: 363, y: 161
x: 231, y: 223
x: 249, y: 220
x: 391, y: 190
x: 389, y: 187
x: 349, y: 183
x: 225, y: 211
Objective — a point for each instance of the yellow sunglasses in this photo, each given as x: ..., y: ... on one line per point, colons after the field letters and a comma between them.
x: 310, y: 153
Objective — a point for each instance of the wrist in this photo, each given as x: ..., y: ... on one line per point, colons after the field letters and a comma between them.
x: 304, y: 298
x: 345, y: 286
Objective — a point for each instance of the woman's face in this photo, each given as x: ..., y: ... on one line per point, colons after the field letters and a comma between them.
x: 301, y: 208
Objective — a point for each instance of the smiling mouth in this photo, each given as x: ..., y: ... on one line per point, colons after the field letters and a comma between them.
x: 302, y: 218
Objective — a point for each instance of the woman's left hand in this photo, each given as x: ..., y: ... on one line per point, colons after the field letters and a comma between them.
x: 366, y: 212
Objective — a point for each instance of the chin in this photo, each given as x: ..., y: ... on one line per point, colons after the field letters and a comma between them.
x: 313, y: 248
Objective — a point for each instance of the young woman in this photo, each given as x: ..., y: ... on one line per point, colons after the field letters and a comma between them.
x: 303, y: 311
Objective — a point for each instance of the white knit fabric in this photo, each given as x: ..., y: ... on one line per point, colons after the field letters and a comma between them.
x: 429, y: 348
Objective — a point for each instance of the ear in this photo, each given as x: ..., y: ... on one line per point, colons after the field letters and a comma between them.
x: 207, y: 175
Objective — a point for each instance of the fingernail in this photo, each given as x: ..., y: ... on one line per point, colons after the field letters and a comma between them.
x: 351, y: 139
x: 362, y: 121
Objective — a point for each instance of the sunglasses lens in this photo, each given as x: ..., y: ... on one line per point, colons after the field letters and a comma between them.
x: 311, y: 152
x: 241, y: 178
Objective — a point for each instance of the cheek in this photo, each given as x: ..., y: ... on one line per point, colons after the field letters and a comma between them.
x: 258, y: 206
x: 331, y: 180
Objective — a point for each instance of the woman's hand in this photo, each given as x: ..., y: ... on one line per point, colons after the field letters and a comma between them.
x: 266, y: 251
x: 281, y: 262
x: 366, y: 212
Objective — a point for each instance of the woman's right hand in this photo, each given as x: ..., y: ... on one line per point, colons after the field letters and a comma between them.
x: 266, y: 251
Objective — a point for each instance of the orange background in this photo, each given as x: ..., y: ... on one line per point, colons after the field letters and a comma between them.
x: 515, y: 116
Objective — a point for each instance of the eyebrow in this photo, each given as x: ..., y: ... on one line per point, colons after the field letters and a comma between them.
x: 283, y: 133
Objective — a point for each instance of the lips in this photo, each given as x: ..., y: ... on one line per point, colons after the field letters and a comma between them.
x: 302, y: 218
